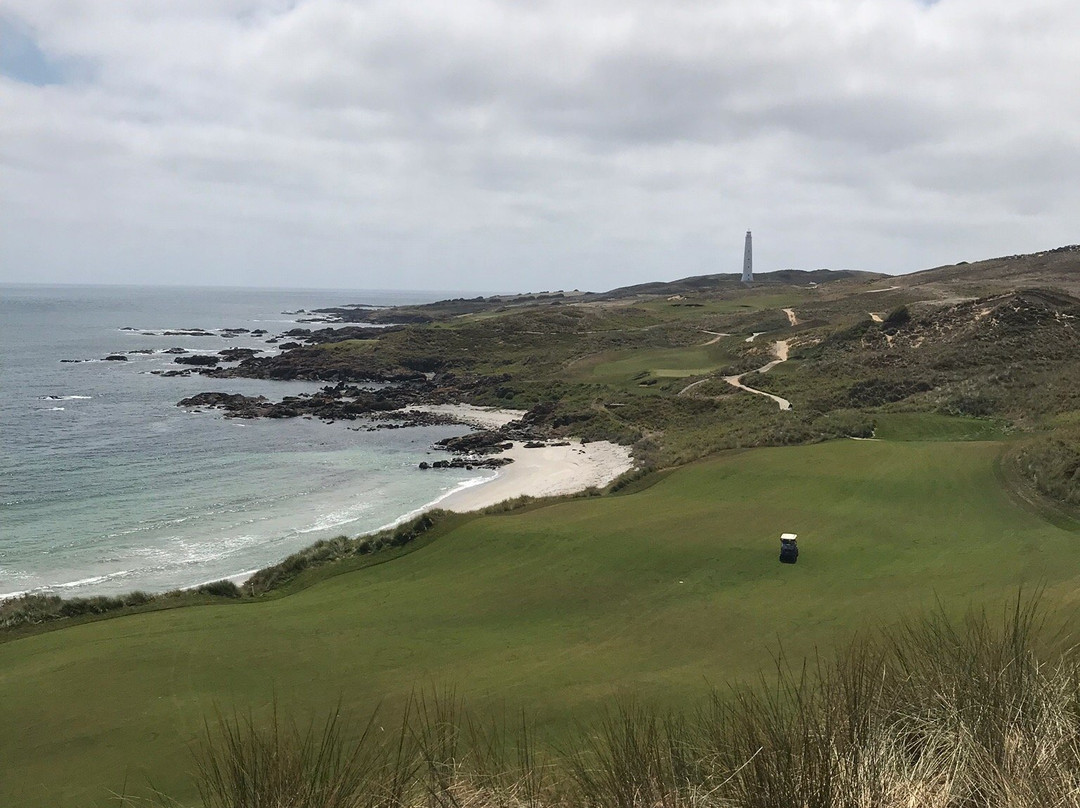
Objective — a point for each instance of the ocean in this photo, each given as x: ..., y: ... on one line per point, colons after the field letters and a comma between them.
x: 106, y: 486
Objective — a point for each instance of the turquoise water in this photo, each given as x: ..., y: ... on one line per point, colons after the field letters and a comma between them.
x: 107, y: 486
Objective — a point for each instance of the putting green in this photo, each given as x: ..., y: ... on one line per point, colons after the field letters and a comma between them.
x: 659, y: 592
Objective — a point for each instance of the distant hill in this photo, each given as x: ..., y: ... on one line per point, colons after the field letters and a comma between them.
x: 1058, y: 268
x: 731, y: 280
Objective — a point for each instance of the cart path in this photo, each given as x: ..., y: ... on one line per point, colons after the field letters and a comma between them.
x: 691, y: 386
x: 780, y: 350
x: 718, y: 335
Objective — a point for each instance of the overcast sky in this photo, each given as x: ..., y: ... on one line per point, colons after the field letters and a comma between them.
x: 517, y: 145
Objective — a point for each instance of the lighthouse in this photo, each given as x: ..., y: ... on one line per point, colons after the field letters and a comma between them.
x: 748, y: 261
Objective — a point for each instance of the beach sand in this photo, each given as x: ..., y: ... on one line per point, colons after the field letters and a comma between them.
x: 544, y: 472
x: 483, y: 417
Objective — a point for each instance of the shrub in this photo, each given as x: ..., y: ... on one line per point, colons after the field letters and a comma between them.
x: 896, y: 318
x: 220, y: 589
x: 28, y: 609
x: 1052, y: 464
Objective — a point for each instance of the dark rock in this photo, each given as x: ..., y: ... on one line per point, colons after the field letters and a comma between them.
x: 175, y: 351
x: 237, y: 405
x: 534, y: 445
x: 424, y: 465
x: 482, y: 442
x: 116, y: 358
x: 196, y: 359
x: 237, y: 354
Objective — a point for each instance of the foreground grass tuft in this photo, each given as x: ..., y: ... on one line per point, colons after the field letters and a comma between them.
x: 984, y: 711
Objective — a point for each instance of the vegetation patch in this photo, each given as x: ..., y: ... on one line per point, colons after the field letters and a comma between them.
x: 1052, y: 464
x: 981, y: 710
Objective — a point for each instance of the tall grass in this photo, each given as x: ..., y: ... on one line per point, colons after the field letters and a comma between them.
x: 981, y: 712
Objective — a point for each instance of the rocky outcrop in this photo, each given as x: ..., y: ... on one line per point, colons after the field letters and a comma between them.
x: 196, y: 359
x: 331, y: 403
x: 468, y: 463
x: 238, y: 354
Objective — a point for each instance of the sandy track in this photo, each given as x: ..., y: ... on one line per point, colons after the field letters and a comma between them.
x: 780, y: 350
x: 791, y: 317
x: 717, y: 336
x: 691, y: 386
x: 875, y: 317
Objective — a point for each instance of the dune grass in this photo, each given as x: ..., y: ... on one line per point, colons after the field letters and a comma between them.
x: 953, y: 713
x: 659, y: 593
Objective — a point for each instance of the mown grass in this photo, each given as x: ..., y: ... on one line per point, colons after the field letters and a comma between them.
x: 952, y: 713
x: 554, y: 609
x: 923, y: 426
x: 621, y: 368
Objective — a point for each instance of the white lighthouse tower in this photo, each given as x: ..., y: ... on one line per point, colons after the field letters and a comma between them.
x: 748, y: 261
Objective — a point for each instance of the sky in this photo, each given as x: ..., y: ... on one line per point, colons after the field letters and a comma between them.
x: 528, y: 145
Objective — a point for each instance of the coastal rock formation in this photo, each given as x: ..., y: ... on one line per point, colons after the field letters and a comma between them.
x: 331, y: 403
x: 196, y: 359
x: 237, y: 354
x: 468, y: 463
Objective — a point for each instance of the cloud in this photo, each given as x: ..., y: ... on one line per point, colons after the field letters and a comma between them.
x: 495, y: 144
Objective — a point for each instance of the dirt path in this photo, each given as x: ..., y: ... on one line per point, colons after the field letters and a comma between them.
x: 691, y: 386
x: 875, y: 317
x: 780, y: 350
x: 716, y: 338
x: 754, y: 336
x: 791, y: 317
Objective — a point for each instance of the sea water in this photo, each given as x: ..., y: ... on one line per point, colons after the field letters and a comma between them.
x: 107, y: 486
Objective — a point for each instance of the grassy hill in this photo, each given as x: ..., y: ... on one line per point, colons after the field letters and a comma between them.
x: 967, y: 376
x: 555, y: 610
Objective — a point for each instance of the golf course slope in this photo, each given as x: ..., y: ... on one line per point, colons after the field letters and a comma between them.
x: 662, y: 592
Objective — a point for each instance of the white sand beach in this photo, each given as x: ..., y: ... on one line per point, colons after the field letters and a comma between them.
x: 483, y: 417
x: 543, y: 472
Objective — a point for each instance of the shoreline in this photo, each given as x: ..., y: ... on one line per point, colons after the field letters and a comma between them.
x: 545, y: 471
x: 549, y: 470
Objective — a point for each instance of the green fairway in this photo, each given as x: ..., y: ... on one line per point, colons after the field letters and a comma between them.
x: 626, y: 368
x: 556, y: 609
x: 933, y: 426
